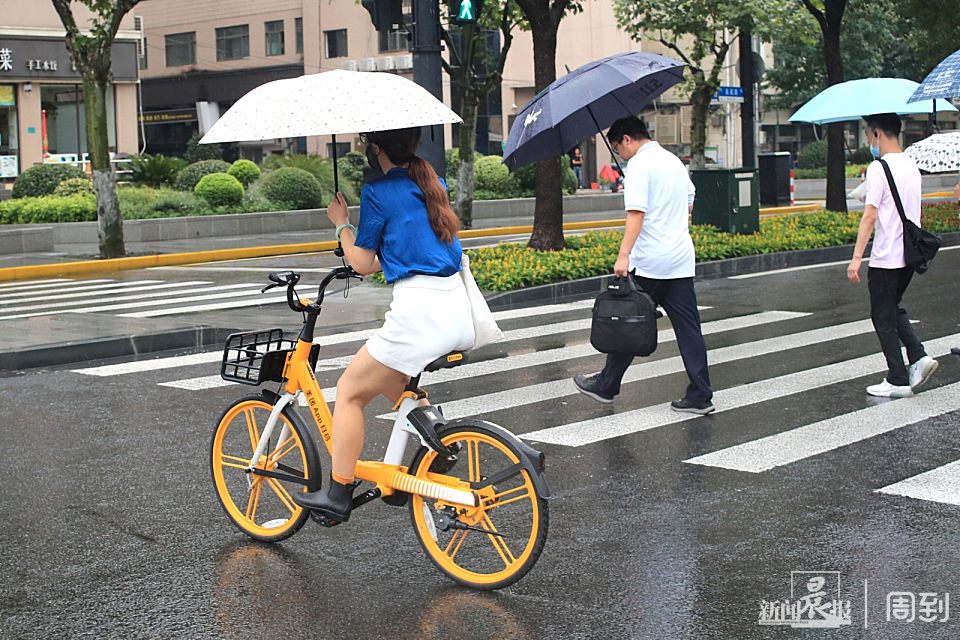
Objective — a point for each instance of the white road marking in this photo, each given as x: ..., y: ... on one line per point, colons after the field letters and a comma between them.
x: 521, y: 396
x: 74, y: 292
x: 113, y: 296
x: 826, y: 435
x: 53, y: 283
x: 24, y: 284
x: 774, y: 272
x: 607, y: 427
x: 938, y: 485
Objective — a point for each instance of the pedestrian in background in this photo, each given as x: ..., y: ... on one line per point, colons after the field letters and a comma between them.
x: 888, y: 276
x: 657, y: 252
x: 576, y: 163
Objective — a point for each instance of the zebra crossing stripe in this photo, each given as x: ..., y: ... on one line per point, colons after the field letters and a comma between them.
x: 46, y: 284
x: 73, y: 292
x: 150, y: 303
x: 559, y: 388
x: 938, y: 485
x: 520, y: 361
x: 839, y: 431
x: 334, y: 339
x: 113, y: 296
x: 604, y: 428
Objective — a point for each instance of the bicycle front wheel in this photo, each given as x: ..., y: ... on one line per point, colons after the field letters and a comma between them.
x: 261, y: 506
x: 497, y: 543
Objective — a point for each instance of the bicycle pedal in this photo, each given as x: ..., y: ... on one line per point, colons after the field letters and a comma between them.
x: 323, y: 520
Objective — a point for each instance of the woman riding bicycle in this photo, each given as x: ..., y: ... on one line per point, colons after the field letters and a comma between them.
x: 407, y: 229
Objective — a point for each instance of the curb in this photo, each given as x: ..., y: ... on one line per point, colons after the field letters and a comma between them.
x: 713, y: 269
x: 102, y: 348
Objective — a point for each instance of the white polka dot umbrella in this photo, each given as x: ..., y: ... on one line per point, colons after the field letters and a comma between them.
x: 940, y: 153
x: 329, y: 103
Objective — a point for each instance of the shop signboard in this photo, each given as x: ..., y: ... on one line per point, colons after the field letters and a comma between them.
x: 27, y: 59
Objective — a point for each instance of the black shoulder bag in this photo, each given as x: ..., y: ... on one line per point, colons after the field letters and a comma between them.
x: 919, y: 245
x: 624, y: 320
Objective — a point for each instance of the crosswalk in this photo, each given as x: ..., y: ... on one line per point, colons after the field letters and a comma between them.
x: 149, y: 298
x: 775, y: 360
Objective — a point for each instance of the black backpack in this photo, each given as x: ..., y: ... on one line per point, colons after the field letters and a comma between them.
x: 624, y: 320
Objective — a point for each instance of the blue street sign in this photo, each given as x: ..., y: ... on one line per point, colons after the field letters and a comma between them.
x: 728, y: 94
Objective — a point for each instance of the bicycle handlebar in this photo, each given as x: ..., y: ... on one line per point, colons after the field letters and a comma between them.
x: 291, y: 278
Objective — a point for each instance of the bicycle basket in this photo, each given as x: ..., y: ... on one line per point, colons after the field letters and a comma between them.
x: 256, y: 357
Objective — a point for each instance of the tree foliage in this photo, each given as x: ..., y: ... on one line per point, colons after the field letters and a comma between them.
x: 700, y: 33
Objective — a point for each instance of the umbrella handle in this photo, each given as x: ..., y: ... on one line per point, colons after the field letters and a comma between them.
x: 336, y: 174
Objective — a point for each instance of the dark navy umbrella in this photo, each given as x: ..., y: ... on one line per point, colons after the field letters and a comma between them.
x: 943, y: 82
x: 586, y: 101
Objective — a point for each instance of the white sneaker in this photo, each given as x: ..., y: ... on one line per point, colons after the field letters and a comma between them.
x: 921, y: 370
x: 887, y: 390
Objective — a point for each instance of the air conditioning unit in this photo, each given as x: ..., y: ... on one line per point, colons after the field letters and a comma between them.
x: 366, y: 64
x: 667, y: 129
x: 138, y: 26
x: 686, y: 124
x: 387, y: 63
x: 403, y: 62
x: 350, y: 65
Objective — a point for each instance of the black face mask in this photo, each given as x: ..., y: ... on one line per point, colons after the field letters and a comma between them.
x: 372, y: 171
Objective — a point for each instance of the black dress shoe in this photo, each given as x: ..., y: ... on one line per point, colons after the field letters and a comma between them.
x: 334, y: 501
x: 588, y: 386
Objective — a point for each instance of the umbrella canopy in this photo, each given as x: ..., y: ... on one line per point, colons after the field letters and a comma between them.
x: 586, y: 101
x: 937, y: 154
x: 943, y: 82
x: 857, y: 98
x: 328, y: 104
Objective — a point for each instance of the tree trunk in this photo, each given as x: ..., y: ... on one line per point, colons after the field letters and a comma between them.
x: 466, y: 178
x: 548, y: 211
x: 836, y: 173
x: 700, y: 101
x: 110, y: 223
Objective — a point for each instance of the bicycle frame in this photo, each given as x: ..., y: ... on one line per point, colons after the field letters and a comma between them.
x: 390, y: 475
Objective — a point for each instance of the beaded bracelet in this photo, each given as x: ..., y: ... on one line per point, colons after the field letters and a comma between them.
x: 346, y: 225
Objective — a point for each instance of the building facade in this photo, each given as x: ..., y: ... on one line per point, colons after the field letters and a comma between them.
x: 42, y: 116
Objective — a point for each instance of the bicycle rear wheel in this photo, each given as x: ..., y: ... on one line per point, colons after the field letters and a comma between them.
x: 506, y: 532
x: 261, y: 506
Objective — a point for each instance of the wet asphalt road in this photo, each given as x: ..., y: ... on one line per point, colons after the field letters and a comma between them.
x: 110, y: 527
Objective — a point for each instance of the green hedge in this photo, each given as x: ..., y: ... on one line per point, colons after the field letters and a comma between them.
x: 47, y: 209
x: 42, y: 179
x: 245, y: 171
x: 74, y: 187
x: 220, y: 190
x: 190, y: 175
x: 292, y: 188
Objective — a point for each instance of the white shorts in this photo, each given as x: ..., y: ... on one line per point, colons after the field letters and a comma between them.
x: 429, y: 317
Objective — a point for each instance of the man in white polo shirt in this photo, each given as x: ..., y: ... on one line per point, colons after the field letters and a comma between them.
x: 658, y: 250
x: 888, y: 275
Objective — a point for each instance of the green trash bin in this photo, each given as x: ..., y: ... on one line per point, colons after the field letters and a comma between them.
x: 728, y: 199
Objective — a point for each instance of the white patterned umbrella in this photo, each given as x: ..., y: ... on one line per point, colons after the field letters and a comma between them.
x: 940, y: 153
x: 329, y: 103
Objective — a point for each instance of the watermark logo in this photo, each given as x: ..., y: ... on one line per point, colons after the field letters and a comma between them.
x: 814, y: 603
x: 907, y: 606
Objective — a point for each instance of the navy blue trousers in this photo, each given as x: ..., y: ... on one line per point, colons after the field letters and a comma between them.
x: 891, y: 322
x: 679, y: 300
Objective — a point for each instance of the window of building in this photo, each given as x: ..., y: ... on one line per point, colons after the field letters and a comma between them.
x: 142, y: 58
x: 298, y: 29
x: 233, y: 43
x: 336, y: 43
x: 181, y: 48
x: 396, y: 39
x: 9, y: 147
x: 63, y: 109
x: 274, y: 37
x: 343, y: 148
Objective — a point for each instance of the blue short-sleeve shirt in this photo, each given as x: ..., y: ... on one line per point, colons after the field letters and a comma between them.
x: 394, y: 224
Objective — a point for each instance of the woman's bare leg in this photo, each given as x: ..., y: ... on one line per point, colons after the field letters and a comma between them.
x: 363, y: 380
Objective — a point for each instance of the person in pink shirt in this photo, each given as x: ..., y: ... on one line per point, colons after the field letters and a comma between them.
x: 888, y: 276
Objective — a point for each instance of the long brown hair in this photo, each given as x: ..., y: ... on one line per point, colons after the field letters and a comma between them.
x: 400, y: 145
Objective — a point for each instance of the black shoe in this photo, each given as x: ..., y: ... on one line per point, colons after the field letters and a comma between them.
x: 334, y: 501
x: 588, y: 387
x: 700, y: 407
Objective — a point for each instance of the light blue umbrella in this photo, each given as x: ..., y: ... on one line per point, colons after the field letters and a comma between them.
x: 857, y: 98
x: 943, y: 82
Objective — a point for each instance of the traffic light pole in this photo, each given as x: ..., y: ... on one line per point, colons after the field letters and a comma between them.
x: 747, y: 77
x: 428, y: 73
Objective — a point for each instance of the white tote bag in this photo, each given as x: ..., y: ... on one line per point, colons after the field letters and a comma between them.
x: 484, y: 326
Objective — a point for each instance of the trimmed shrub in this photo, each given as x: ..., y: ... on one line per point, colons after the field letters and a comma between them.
x: 47, y: 209
x: 155, y: 171
x: 862, y: 156
x: 171, y: 204
x: 42, y: 179
x: 452, y: 160
x: 196, y: 152
x: 74, y: 187
x: 220, y: 190
x: 493, y: 176
x: 525, y: 180
x: 351, y: 170
x: 245, y: 171
x: 569, y: 180
x: 292, y: 187
x: 190, y: 175
x: 813, y: 155
x: 319, y: 168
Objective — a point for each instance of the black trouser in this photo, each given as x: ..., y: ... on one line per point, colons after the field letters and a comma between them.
x: 679, y: 300
x: 891, y: 321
